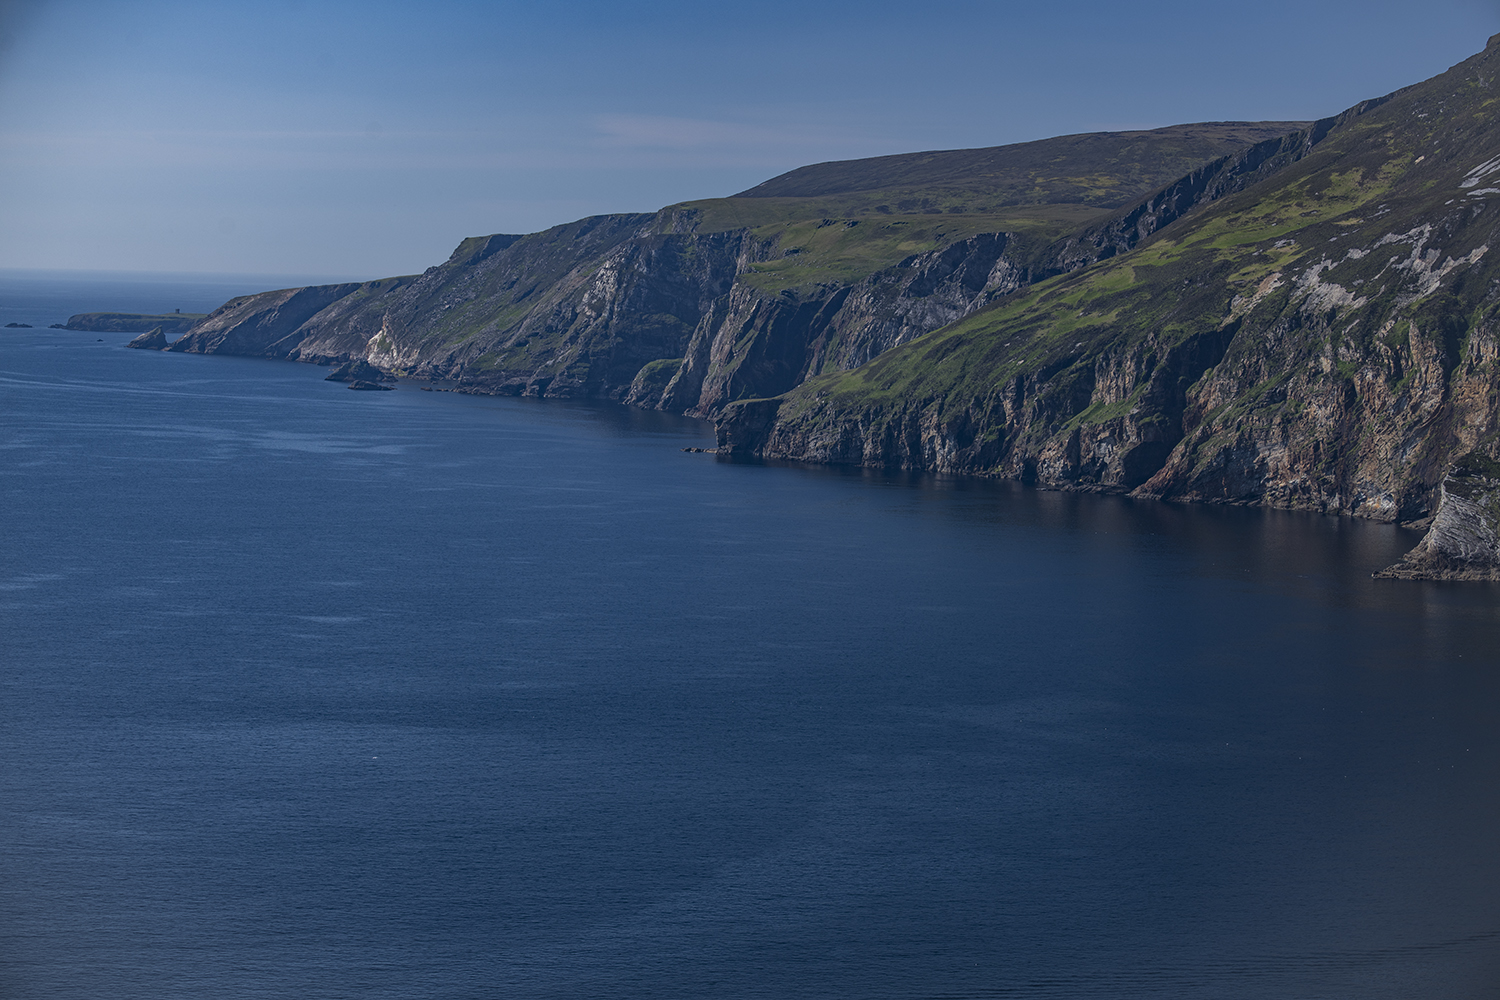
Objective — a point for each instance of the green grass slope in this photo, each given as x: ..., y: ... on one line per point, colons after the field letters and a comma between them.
x: 1099, y: 169
x: 844, y: 220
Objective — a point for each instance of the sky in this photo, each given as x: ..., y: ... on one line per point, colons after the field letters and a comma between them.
x: 366, y: 139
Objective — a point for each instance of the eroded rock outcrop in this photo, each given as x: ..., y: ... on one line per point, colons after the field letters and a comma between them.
x: 358, y: 370
x: 151, y: 340
x: 1463, y: 542
x: 270, y: 324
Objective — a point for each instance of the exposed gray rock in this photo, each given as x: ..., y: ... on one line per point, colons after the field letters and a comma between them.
x: 1464, y: 540
x: 267, y: 324
x: 1336, y: 362
x: 369, y: 386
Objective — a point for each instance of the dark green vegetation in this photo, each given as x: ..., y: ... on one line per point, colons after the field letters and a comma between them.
x: 173, y: 324
x: 1326, y: 338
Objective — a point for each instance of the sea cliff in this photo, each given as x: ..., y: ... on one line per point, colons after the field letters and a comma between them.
x: 1324, y: 339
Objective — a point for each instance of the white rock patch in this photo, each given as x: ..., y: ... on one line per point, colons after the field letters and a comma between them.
x: 1479, y: 173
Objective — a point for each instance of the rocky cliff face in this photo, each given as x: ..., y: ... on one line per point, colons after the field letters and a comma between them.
x: 614, y: 307
x: 1307, y: 316
x: 272, y: 324
x: 1323, y: 337
x: 1464, y: 540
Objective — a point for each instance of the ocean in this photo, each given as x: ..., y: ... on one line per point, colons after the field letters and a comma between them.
x: 315, y: 693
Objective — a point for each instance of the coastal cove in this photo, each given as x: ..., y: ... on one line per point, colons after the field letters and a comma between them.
x: 313, y: 693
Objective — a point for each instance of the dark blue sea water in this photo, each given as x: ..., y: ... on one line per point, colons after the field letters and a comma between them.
x: 311, y: 693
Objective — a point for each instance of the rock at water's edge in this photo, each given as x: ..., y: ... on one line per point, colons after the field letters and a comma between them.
x: 151, y: 340
x: 366, y: 386
x: 1464, y: 540
x: 358, y: 370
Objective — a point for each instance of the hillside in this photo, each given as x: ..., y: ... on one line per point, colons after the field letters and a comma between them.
x: 1324, y: 339
x: 1098, y: 169
x: 703, y: 303
x: 173, y: 324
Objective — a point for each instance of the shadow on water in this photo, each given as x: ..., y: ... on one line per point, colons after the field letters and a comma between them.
x: 615, y: 419
x: 1262, y: 543
x: 1310, y: 561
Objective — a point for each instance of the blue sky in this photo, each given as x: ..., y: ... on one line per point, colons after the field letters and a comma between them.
x: 365, y: 139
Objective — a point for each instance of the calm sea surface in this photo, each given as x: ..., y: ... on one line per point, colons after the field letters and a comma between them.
x: 311, y: 693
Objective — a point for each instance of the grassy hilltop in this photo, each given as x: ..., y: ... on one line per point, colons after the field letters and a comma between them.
x: 843, y: 220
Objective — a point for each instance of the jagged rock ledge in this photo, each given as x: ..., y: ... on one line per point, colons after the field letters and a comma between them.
x: 1464, y: 540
